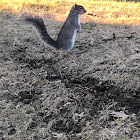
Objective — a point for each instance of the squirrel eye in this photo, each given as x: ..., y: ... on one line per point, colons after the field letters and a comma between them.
x: 80, y: 7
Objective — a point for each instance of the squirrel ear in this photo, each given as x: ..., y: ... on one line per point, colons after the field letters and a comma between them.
x: 75, y: 5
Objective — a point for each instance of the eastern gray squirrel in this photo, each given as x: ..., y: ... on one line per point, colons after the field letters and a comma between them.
x: 67, y: 34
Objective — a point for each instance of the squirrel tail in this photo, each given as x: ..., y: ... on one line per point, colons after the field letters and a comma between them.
x: 40, y: 26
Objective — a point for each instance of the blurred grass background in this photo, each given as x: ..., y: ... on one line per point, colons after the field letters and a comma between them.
x: 101, y: 11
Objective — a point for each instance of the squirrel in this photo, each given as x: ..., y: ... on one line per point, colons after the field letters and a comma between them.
x: 67, y: 34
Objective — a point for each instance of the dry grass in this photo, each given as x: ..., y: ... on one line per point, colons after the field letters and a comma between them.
x: 97, y: 11
x: 43, y: 92
x: 49, y: 94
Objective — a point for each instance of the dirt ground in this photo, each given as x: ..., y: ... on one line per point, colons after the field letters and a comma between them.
x: 49, y: 94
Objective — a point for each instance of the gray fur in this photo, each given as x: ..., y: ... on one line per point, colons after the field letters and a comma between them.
x: 67, y: 34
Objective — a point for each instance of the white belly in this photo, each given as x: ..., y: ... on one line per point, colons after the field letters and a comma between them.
x: 73, y: 39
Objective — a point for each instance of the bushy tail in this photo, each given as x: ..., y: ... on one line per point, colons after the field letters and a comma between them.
x: 40, y: 26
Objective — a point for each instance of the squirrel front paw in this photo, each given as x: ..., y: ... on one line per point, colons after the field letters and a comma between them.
x: 79, y: 31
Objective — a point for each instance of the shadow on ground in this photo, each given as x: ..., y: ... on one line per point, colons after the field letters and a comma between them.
x: 44, y: 91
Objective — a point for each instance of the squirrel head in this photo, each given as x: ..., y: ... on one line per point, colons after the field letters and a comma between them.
x: 79, y: 9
